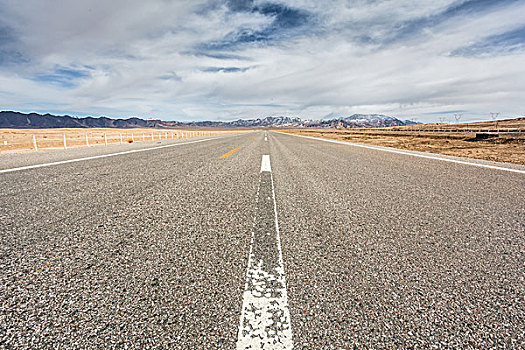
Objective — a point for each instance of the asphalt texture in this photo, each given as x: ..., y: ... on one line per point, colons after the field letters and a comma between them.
x: 150, y: 250
x: 265, y: 319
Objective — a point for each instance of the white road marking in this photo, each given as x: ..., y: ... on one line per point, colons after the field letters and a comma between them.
x: 265, y: 138
x: 265, y: 163
x: 265, y: 320
x: 385, y: 149
x: 101, y: 156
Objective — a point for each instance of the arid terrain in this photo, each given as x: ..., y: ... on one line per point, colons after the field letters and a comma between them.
x: 503, y: 141
x: 21, y: 140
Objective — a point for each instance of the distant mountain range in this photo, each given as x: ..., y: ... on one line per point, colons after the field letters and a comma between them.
x: 359, y: 121
x: 39, y: 121
x: 34, y: 120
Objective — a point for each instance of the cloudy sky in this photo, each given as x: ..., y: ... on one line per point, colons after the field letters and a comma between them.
x: 222, y: 60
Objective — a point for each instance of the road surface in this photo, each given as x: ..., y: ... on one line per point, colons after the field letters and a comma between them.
x: 261, y: 242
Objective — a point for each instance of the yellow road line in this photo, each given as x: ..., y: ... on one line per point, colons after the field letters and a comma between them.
x: 224, y: 156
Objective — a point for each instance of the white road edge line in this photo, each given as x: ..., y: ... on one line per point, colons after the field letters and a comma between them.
x: 103, y: 155
x: 410, y: 154
x: 261, y: 310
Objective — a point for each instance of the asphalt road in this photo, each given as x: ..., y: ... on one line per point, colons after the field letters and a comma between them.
x: 334, y: 247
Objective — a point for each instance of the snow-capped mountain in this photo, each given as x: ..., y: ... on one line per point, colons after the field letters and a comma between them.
x: 360, y: 121
x: 267, y: 122
x: 34, y: 120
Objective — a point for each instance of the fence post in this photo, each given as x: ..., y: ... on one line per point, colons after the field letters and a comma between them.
x: 65, y: 145
x: 105, y: 139
x: 132, y: 138
x: 87, y: 140
x: 121, y: 138
x: 143, y: 137
x: 34, y: 143
x: 152, y: 137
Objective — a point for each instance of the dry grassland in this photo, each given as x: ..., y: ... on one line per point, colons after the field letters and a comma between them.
x: 500, y: 147
x: 21, y: 140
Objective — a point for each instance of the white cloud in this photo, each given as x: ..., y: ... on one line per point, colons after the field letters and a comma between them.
x: 153, y: 58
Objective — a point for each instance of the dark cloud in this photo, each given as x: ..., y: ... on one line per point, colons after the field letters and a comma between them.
x: 287, y: 22
x: 6, y: 36
x: 284, y: 17
x: 8, y: 57
x: 9, y: 53
x: 240, y: 5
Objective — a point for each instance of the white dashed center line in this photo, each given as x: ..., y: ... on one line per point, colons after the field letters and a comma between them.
x: 265, y: 164
x: 265, y: 320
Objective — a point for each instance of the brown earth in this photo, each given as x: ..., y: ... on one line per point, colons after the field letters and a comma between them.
x: 506, y: 125
x: 499, y: 147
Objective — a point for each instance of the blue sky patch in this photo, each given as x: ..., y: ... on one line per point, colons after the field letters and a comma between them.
x: 64, y: 77
x: 225, y: 69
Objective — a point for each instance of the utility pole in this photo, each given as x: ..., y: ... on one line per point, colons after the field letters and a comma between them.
x: 441, y: 121
x: 494, y: 117
x: 457, y: 117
